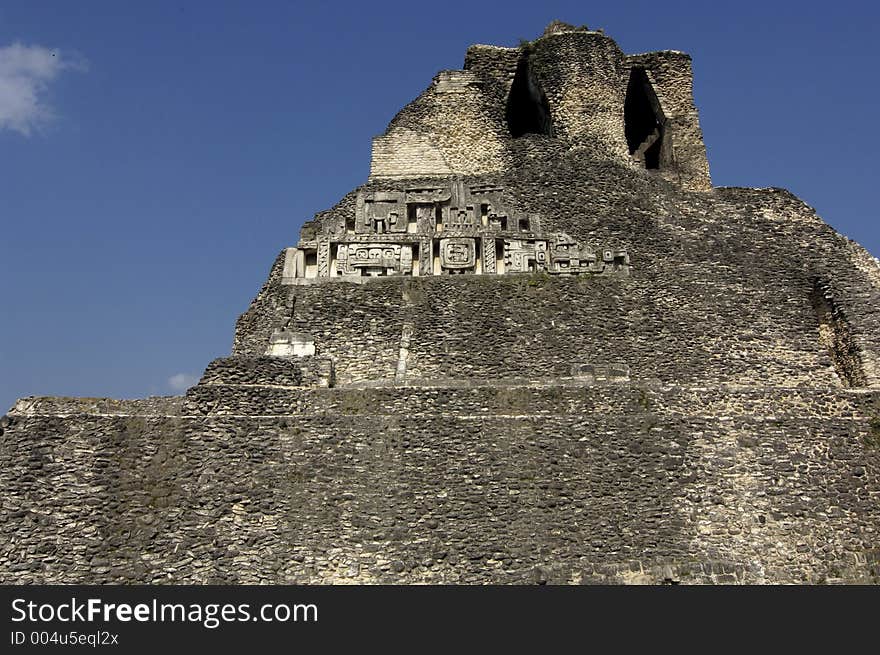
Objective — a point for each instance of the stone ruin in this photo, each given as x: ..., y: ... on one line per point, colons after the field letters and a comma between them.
x: 535, y: 346
x: 449, y: 229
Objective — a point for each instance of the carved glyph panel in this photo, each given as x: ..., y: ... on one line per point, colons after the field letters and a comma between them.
x: 458, y: 254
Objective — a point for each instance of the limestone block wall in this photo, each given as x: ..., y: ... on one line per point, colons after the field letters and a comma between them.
x: 270, y: 371
x: 406, y: 152
x: 495, y: 67
x: 784, y: 230
x: 64, y: 406
x: 625, y: 484
x: 744, y: 242
x: 489, y: 328
x: 580, y: 72
x: 447, y: 130
x: 533, y: 398
x: 862, y: 292
x: 358, y: 327
x: 721, y: 290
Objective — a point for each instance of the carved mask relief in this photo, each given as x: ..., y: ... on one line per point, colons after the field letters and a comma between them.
x: 447, y: 230
x: 456, y: 254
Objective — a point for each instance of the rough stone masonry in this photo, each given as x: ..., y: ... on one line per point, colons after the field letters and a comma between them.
x: 536, y: 346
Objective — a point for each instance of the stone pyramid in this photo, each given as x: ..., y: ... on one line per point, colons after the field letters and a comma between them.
x: 537, y: 345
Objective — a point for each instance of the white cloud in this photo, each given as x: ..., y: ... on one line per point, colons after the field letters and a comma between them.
x: 182, y: 381
x: 25, y: 74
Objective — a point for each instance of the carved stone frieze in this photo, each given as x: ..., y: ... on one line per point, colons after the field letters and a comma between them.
x: 458, y: 255
x: 451, y: 229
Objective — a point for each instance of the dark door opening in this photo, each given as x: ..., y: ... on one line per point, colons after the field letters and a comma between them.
x: 527, y: 109
x: 643, y: 121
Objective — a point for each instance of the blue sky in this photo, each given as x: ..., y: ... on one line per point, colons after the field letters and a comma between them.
x: 155, y: 156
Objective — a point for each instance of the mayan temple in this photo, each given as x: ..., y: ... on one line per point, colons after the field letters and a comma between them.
x: 535, y: 346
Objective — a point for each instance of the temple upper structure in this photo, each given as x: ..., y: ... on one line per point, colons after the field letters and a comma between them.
x: 571, y: 85
x: 572, y: 89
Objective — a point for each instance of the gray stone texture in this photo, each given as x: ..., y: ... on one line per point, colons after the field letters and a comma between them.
x: 502, y: 485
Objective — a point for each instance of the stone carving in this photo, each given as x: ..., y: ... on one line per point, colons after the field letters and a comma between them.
x: 382, y: 214
x: 457, y: 218
x: 430, y: 195
x: 452, y: 229
x: 424, y: 217
x: 566, y: 256
x: 525, y: 256
x: 373, y: 259
x: 457, y: 255
x: 496, y: 221
x: 489, y: 256
x: 425, y: 263
x: 323, y: 258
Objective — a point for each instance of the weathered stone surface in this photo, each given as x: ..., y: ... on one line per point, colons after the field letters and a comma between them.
x: 484, y: 484
x: 536, y: 346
